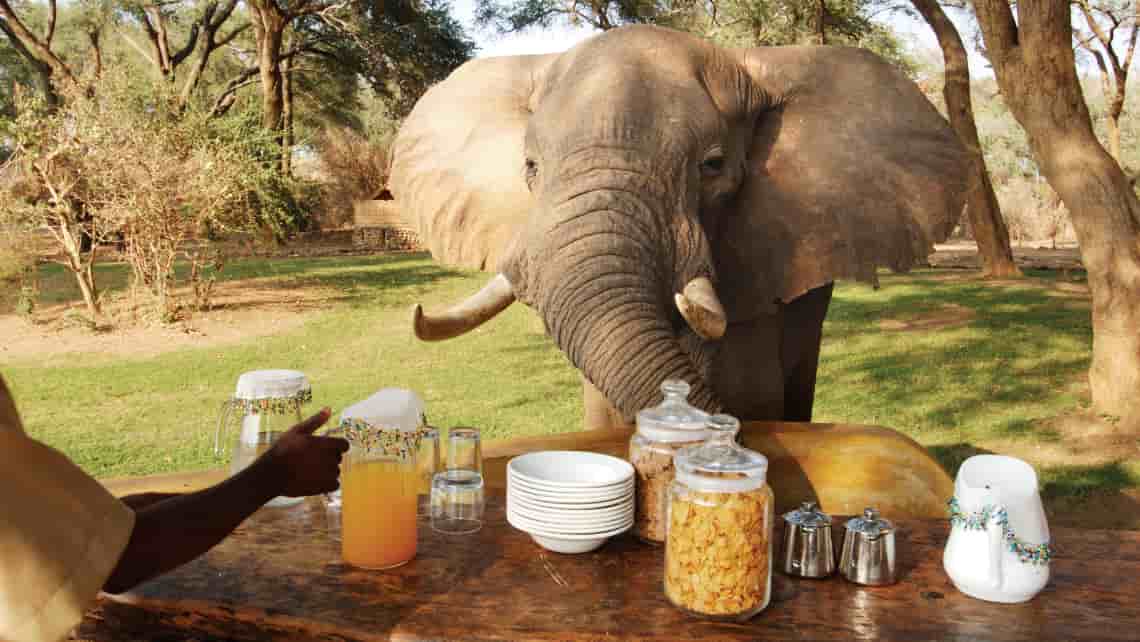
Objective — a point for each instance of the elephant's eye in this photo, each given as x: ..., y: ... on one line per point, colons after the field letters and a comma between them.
x: 531, y: 170
x: 713, y: 165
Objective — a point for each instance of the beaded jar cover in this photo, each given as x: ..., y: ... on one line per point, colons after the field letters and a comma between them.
x: 273, y: 405
x: 383, y: 440
x: 978, y: 521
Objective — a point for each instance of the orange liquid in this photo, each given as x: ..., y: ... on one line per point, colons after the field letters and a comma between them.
x: 378, y: 514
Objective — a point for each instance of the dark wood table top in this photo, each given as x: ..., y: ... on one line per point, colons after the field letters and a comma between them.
x: 279, y: 576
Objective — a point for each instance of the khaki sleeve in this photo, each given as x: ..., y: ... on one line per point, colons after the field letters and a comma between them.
x: 61, y: 535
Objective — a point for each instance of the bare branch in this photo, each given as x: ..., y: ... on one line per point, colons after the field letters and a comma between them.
x: 137, y: 47
x: 50, y: 32
x: 34, y: 48
x: 1132, y: 40
x: 226, y: 39
x: 188, y: 48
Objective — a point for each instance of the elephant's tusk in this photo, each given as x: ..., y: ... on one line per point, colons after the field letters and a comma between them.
x: 702, y: 309
x: 468, y: 315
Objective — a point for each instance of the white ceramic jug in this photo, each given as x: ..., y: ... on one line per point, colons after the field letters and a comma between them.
x: 998, y: 549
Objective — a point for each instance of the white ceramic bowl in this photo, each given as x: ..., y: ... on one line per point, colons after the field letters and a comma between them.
x: 561, y: 530
x: 571, y: 469
x: 568, y: 546
x: 530, y: 528
x: 525, y: 482
x: 521, y: 500
x: 559, y: 498
x: 581, y: 521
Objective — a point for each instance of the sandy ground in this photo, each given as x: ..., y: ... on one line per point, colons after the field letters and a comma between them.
x: 242, y: 310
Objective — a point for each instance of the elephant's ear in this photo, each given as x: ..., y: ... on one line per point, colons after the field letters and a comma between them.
x: 851, y: 168
x: 457, y: 164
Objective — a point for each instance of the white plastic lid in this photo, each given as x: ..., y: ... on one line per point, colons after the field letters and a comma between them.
x: 271, y: 384
x: 719, y: 465
x: 674, y: 419
x: 389, y: 408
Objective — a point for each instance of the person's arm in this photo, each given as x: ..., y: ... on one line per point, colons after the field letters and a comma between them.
x: 139, y: 501
x: 171, y: 532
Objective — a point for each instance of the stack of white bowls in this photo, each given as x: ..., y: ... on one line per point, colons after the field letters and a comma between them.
x: 570, y: 501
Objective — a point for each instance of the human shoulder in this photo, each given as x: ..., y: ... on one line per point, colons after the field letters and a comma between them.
x: 9, y: 417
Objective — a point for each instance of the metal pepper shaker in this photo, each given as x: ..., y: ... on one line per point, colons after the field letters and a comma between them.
x: 868, y: 550
x: 807, y: 542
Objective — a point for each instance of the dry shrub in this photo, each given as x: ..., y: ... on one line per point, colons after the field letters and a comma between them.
x: 1034, y: 212
x: 355, y: 169
x: 19, y: 284
x: 126, y: 162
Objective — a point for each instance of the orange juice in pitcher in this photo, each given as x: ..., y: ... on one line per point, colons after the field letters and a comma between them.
x: 378, y: 513
x: 380, y: 479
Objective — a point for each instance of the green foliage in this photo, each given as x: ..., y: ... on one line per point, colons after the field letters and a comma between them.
x: 398, y: 48
x: 731, y: 23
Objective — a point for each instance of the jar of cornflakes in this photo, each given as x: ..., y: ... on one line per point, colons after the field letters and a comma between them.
x: 718, y: 550
x: 661, y: 431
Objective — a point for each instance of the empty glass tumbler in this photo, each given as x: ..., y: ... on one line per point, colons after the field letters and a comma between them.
x: 457, y: 492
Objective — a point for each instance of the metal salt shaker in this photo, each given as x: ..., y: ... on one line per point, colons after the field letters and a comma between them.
x: 807, y: 542
x: 868, y: 550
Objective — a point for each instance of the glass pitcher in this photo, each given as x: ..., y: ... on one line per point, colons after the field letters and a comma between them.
x: 379, y: 483
x: 265, y: 404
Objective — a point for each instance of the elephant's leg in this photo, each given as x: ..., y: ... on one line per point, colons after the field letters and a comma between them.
x: 747, y: 373
x: 598, y: 412
x: 799, y: 350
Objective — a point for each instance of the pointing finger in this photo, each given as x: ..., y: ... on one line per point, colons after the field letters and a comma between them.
x: 332, y: 443
x: 309, y: 425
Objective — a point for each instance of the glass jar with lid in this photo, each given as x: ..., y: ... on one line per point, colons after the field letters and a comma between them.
x: 661, y: 431
x: 718, y: 551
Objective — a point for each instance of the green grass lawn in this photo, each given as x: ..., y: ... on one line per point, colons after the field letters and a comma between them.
x: 1009, y: 356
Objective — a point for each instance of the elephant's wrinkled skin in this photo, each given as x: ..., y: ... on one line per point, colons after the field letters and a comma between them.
x: 674, y: 209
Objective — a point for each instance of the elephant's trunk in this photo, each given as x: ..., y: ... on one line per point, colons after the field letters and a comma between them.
x: 606, y: 292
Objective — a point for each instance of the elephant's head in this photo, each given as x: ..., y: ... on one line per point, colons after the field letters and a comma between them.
x: 645, y: 187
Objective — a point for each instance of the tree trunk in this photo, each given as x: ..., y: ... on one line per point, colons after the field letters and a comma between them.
x: 287, y: 117
x: 982, y: 205
x: 86, y: 278
x: 1035, y: 68
x: 269, y: 23
x: 269, y: 65
x: 1114, y: 136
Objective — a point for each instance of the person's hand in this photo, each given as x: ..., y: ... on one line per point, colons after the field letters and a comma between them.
x: 304, y: 463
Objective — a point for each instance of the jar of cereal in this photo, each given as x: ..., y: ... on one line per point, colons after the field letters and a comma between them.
x: 661, y: 431
x: 718, y: 551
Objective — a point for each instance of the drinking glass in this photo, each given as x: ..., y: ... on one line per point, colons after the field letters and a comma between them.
x: 427, y: 465
x: 332, y: 500
x: 464, y: 451
x: 457, y: 492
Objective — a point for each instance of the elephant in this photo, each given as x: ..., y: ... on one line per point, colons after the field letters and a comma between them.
x: 673, y: 209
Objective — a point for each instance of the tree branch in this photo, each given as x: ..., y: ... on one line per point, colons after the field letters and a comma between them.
x: 34, y: 48
x: 137, y: 47
x: 1132, y: 40
x: 226, y: 39
x: 996, y: 18
x: 50, y: 32
x: 188, y: 48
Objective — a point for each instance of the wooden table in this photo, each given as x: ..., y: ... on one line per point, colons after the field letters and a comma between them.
x: 280, y: 577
